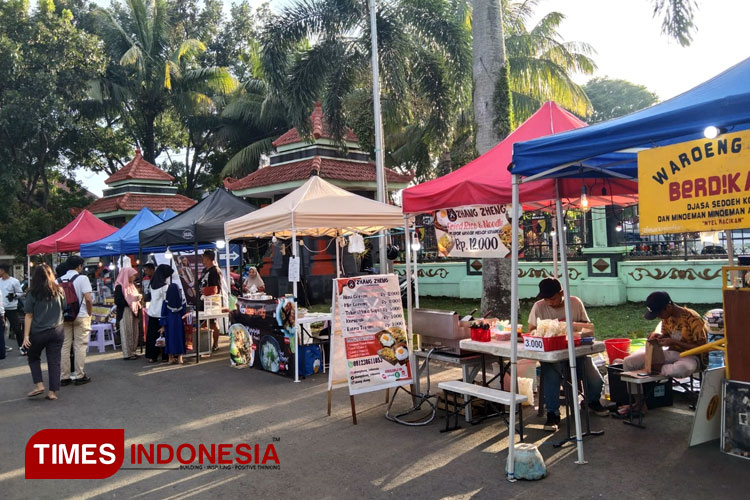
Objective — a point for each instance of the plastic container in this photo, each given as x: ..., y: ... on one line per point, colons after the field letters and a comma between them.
x: 481, y: 334
x: 617, y: 349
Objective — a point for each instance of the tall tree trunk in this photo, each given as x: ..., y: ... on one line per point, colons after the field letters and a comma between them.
x: 444, y: 165
x: 149, y: 142
x: 490, y: 114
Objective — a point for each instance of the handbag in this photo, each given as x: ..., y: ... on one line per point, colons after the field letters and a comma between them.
x: 161, y: 341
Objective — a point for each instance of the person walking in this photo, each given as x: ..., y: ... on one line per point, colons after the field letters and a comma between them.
x: 43, y: 330
x: 10, y: 289
x: 211, y: 279
x: 2, y: 329
x: 158, y: 290
x: 172, y: 312
x: 78, y: 329
x: 128, y: 302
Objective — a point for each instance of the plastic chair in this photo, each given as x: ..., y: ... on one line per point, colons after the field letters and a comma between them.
x: 102, y: 335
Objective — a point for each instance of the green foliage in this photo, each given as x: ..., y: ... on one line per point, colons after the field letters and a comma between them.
x: 541, y: 63
x: 47, y: 63
x: 611, y: 98
x: 677, y: 19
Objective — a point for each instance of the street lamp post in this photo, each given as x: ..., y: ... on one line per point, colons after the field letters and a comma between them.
x: 379, y: 163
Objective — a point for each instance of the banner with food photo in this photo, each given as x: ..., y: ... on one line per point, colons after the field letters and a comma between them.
x: 374, y: 333
x: 474, y: 231
x: 263, y: 334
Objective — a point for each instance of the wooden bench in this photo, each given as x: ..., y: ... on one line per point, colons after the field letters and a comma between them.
x: 469, y: 391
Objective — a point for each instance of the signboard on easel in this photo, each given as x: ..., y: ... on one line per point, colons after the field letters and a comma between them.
x: 369, y: 341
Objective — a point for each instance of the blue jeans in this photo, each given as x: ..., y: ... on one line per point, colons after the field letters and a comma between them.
x: 2, y: 340
x: 552, y: 379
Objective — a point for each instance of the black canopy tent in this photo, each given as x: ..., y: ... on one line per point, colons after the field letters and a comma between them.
x: 201, y: 224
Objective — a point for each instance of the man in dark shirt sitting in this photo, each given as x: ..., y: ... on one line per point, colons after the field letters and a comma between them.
x: 211, y: 278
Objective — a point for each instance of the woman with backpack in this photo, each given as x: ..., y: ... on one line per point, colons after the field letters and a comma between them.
x: 43, y: 329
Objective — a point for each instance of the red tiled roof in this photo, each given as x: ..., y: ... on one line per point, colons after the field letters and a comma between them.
x: 134, y: 202
x: 138, y: 168
x: 327, y: 168
x: 319, y: 129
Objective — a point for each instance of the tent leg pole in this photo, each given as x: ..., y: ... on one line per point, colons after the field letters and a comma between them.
x: 296, y: 330
x: 515, y: 207
x: 409, y: 308
x: 197, y: 337
x: 569, y: 324
x: 554, y: 246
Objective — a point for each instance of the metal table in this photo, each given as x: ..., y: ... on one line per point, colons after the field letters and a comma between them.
x: 501, y: 349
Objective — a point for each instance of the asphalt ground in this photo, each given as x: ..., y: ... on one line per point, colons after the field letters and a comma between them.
x: 324, y: 457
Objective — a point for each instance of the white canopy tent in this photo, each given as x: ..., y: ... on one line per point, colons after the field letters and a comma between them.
x: 318, y: 208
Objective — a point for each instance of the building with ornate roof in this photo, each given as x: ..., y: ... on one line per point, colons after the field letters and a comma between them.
x: 136, y: 185
x: 295, y: 159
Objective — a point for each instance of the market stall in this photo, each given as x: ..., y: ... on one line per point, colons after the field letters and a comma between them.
x: 470, y: 204
x: 616, y: 148
x: 317, y: 208
x: 125, y: 240
x: 202, y: 225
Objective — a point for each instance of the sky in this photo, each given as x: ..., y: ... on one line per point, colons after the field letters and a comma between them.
x: 629, y: 45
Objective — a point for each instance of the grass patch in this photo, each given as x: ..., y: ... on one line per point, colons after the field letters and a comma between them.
x: 623, y: 321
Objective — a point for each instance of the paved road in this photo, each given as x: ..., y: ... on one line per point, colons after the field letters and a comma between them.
x: 327, y: 457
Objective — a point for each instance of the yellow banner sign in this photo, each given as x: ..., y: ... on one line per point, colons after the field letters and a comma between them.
x: 701, y: 185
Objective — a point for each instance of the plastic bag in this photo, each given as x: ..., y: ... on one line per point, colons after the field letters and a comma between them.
x: 161, y: 341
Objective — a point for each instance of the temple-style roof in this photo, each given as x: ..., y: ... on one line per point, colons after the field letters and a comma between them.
x: 139, y: 169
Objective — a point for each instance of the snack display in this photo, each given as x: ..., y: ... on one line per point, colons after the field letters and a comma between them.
x: 549, y: 328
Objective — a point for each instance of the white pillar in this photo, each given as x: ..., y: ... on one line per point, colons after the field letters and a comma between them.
x: 510, y: 466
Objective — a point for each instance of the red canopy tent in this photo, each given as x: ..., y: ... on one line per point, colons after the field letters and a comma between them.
x: 83, y: 229
x: 486, y: 180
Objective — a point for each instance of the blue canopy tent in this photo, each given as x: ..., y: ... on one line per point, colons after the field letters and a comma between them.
x: 610, y: 149
x: 125, y: 240
x: 167, y: 214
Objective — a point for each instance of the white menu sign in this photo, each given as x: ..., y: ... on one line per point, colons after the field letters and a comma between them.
x: 473, y: 231
x: 378, y: 349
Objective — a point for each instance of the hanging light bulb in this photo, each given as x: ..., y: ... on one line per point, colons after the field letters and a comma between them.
x: 711, y: 132
x: 168, y: 254
x: 101, y: 263
x: 415, y: 244
x: 553, y: 233
x: 221, y: 244
x: 274, y: 239
x: 584, y: 200
x: 111, y: 266
x: 618, y: 227
x: 301, y: 243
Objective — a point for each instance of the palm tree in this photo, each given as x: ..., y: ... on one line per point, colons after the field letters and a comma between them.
x: 424, y: 58
x: 153, y: 72
x: 541, y: 63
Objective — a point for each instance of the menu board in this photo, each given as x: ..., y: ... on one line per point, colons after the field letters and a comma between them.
x: 377, y: 347
x: 473, y: 231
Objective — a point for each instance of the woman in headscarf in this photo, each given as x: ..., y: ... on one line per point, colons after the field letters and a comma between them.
x: 158, y: 290
x: 254, y: 279
x: 173, y: 309
x: 128, y: 302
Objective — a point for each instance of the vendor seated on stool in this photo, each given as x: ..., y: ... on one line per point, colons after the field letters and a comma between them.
x: 682, y: 329
x: 552, y: 306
